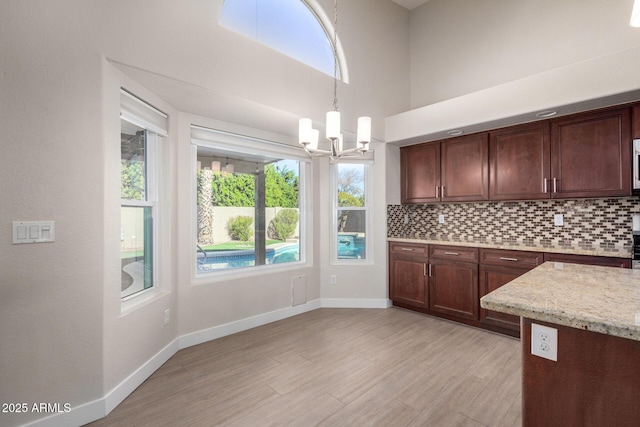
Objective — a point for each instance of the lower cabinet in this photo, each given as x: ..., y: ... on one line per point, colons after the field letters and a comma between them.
x: 408, y: 275
x: 453, y: 288
x: 497, y: 268
x: 491, y: 278
x: 448, y: 281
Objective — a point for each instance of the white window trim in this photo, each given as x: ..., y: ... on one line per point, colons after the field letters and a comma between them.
x: 368, y: 208
x: 138, y: 112
x: 236, y: 143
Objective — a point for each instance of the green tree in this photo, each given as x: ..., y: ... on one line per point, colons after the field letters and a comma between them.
x: 132, y: 180
x: 349, y: 200
x: 233, y: 190
x: 281, y: 187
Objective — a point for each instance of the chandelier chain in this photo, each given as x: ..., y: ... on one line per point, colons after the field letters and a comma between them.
x: 335, y: 55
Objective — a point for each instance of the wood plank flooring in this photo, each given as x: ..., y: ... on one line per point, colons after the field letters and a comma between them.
x: 336, y: 367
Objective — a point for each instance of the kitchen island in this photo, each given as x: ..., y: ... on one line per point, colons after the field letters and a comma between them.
x: 595, y: 379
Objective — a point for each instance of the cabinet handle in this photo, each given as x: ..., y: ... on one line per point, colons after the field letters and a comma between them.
x: 504, y: 258
x: 437, y: 191
x: 544, y: 186
x: 429, y: 270
x: 442, y: 191
x: 407, y: 249
x: 555, y: 185
x: 452, y: 253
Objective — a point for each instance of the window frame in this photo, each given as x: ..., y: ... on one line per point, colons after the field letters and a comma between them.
x: 326, y: 24
x: 367, y: 208
x: 237, y: 143
x: 154, y: 122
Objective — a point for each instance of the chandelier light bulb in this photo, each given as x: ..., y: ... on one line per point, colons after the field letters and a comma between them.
x: 304, y: 131
x: 364, y: 130
x: 333, y: 125
x: 635, y: 14
x: 315, y: 135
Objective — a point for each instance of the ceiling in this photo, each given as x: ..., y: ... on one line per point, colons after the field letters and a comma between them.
x: 410, y: 4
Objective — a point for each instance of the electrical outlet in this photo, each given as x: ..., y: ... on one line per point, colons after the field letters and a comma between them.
x: 441, y: 218
x: 558, y: 220
x: 544, y: 342
x: 334, y: 281
x: 167, y: 316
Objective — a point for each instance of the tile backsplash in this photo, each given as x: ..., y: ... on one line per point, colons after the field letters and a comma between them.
x: 603, y: 224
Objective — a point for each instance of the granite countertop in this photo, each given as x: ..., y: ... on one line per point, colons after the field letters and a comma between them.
x: 516, y: 247
x: 598, y: 299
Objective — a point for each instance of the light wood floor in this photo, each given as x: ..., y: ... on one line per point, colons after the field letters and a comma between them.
x: 336, y: 367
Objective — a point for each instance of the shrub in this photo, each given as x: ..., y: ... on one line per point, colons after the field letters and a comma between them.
x: 239, y: 228
x: 284, y: 224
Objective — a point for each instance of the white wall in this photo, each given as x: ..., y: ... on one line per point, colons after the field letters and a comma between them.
x: 459, y: 47
x: 65, y: 337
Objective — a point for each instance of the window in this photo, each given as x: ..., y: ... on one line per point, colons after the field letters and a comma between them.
x: 138, y: 193
x: 351, y: 219
x: 249, y: 203
x: 288, y: 26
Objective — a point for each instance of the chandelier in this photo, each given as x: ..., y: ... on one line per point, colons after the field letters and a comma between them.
x: 308, y: 137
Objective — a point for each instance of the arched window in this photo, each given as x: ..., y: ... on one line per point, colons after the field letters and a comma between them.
x: 292, y: 27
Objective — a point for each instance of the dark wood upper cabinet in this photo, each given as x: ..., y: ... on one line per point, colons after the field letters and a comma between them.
x: 590, y: 155
x: 584, y: 155
x: 520, y: 162
x: 454, y: 170
x: 465, y: 168
x: 420, y: 173
x: 635, y: 132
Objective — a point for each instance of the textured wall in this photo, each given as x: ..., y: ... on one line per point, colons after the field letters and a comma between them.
x: 603, y: 224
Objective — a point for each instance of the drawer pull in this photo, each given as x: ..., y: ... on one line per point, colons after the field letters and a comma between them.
x: 504, y: 258
x: 407, y: 249
x: 452, y: 253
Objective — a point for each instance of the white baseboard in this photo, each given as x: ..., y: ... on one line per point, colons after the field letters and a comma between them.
x: 209, y: 334
x: 356, y: 303
x: 100, y: 408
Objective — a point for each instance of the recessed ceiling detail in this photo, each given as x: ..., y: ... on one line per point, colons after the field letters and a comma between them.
x: 410, y: 4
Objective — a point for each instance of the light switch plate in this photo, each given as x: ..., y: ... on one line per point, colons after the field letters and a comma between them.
x: 33, y: 232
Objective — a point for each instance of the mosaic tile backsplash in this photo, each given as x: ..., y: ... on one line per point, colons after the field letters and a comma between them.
x: 603, y: 224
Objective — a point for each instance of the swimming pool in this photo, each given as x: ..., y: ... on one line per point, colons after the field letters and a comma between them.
x: 348, y: 248
x: 246, y: 258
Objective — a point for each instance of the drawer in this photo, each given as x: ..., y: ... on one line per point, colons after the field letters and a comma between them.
x: 416, y: 249
x: 510, y: 258
x: 454, y: 253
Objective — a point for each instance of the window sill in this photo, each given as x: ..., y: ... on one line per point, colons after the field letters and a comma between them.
x: 241, y: 273
x: 141, y: 299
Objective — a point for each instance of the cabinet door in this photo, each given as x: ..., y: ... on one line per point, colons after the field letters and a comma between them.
x: 520, y: 162
x: 590, y: 155
x: 408, y: 280
x: 491, y: 278
x: 420, y: 173
x: 465, y: 168
x: 636, y: 122
x: 453, y: 288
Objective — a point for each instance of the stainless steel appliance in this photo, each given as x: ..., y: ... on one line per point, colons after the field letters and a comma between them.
x: 636, y: 166
x: 635, y: 261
